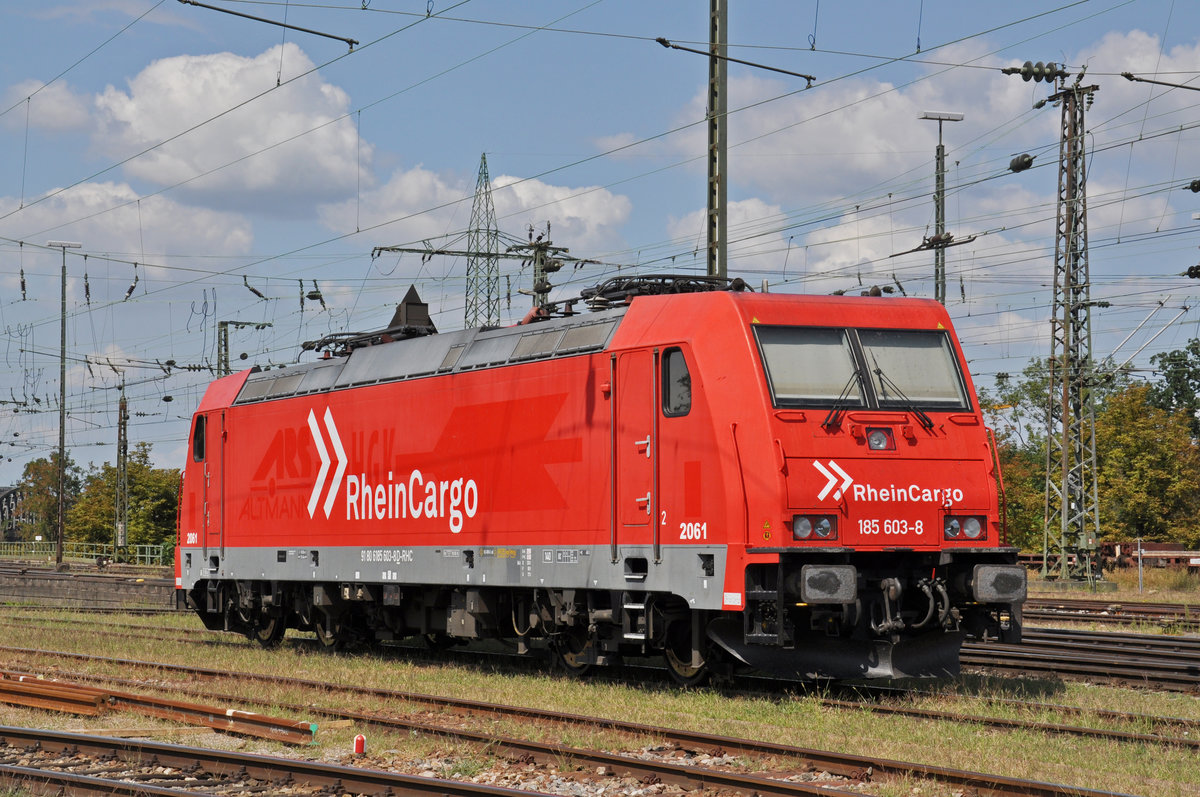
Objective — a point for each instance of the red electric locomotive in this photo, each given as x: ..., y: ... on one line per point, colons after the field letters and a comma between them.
x: 799, y: 484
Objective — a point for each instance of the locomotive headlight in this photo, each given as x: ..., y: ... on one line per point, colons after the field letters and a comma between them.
x: 880, y: 440
x: 806, y: 527
x: 972, y: 527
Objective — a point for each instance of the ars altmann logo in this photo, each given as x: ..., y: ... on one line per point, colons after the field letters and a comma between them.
x: 335, y: 441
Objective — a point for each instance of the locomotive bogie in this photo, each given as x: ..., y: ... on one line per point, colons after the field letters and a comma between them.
x: 724, y: 479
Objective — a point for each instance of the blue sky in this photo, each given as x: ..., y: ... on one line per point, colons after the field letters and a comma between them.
x: 193, y: 153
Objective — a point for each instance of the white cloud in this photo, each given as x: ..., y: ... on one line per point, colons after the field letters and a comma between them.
x: 112, y: 219
x: 585, y: 219
x: 426, y: 205
x: 754, y: 245
x: 55, y: 107
x: 412, y: 205
x: 172, y: 95
x: 818, y: 153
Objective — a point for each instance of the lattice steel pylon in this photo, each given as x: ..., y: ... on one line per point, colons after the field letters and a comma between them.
x: 483, y: 262
x: 1071, y: 509
x: 121, y: 523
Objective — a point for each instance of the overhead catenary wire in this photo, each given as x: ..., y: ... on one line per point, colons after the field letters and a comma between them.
x: 678, y: 251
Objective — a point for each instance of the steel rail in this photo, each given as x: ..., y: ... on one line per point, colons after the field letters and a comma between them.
x: 859, y: 705
x: 24, y: 689
x: 1184, y: 724
x: 848, y: 765
x: 268, y: 769
x: 56, y: 782
x: 51, y: 696
x: 1054, y: 616
x: 646, y: 769
x: 1007, y: 723
x: 1173, y: 674
x: 1186, y: 646
x: 1113, y: 612
x: 855, y: 768
x: 880, y: 707
x: 1016, y: 724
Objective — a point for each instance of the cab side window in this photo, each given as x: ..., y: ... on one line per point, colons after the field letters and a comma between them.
x: 198, y: 439
x: 677, y: 384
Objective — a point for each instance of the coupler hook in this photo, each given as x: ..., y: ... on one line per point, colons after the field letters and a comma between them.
x: 891, y: 589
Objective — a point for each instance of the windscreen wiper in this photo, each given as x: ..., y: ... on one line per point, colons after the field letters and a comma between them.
x: 834, y: 418
x: 886, y: 381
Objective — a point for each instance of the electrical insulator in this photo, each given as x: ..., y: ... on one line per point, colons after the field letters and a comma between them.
x: 1020, y: 163
x: 1194, y: 186
x: 1040, y: 71
x: 1194, y: 271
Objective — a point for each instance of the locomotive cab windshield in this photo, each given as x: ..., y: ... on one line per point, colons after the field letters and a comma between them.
x: 875, y: 368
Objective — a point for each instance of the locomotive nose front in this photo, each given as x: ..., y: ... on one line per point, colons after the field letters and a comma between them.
x: 893, y: 541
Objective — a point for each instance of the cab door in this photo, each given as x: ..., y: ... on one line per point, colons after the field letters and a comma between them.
x: 211, y: 457
x: 634, y: 448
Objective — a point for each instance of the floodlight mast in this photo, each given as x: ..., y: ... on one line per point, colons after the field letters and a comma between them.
x: 939, y: 201
x: 62, y: 400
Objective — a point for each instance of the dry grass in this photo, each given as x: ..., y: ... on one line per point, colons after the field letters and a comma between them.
x: 1159, y: 585
x: 799, y: 720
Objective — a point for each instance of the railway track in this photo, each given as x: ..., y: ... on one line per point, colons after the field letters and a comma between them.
x: 116, y: 591
x: 876, y: 698
x: 1168, y: 615
x: 875, y: 771
x: 77, y: 764
x: 661, y: 751
x: 27, y: 689
x: 1054, y: 644
x: 1160, y: 662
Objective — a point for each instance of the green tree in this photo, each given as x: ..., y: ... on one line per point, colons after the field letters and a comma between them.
x: 1017, y: 410
x: 153, y: 497
x: 1148, y: 469
x: 39, y: 502
x: 93, y: 515
x: 1178, y: 384
x: 1024, y: 473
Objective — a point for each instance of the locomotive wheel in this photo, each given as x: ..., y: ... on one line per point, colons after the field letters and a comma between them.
x: 679, y: 664
x: 329, y: 632
x: 574, y: 653
x: 677, y: 652
x: 269, y: 630
x: 439, y: 642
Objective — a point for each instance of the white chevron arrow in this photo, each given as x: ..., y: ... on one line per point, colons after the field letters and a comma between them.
x: 315, y: 429
x: 341, y: 458
x: 324, y: 454
x: 846, y: 478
